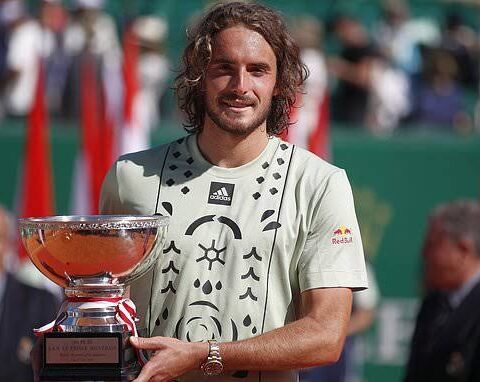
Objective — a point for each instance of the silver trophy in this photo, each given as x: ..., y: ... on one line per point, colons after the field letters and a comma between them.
x: 94, y: 258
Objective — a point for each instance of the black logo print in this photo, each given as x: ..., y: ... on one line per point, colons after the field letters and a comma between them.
x: 211, y: 254
x: 221, y: 193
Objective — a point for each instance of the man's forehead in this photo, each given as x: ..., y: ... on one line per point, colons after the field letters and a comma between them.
x: 239, y: 36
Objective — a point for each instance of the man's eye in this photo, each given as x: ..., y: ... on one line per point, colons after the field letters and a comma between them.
x: 223, y: 68
x: 258, y: 71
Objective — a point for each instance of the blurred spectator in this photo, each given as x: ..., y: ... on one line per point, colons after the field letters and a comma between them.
x: 438, y: 97
x: 352, y: 69
x: 3, y: 46
x: 399, y: 37
x: 91, y: 40
x: 462, y: 43
x: 53, y: 19
x: 369, y: 92
x: 153, y: 68
x: 446, y: 342
x: 24, y: 52
x: 349, y: 367
x: 92, y: 30
x: 145, y: 70
x: 22, y: 308
x: 389, y: 97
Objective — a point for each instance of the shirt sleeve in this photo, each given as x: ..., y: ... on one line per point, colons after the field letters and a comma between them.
x: 369, y: 298
x: 333, y: 252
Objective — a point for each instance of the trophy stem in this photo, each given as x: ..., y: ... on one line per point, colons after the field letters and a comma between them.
x: 95, y: 291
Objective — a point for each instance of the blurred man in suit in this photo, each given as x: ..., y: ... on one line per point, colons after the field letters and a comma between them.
x: 446, y: 341
x: 22, y: 308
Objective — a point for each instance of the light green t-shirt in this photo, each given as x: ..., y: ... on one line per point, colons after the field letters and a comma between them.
x: 242, y: 243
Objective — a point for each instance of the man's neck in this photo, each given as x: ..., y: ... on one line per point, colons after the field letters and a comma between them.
x: 224, y: 149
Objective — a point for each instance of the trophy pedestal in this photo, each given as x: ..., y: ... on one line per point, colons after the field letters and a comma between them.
x: 88, y: 357
x: 90, y: 340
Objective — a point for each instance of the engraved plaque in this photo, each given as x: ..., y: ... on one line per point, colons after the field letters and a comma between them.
x: 82, y: 350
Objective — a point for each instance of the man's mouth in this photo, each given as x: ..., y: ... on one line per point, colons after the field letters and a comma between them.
x: 237, y: 104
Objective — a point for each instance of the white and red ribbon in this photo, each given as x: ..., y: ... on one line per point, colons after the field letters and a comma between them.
x: 126, y: 313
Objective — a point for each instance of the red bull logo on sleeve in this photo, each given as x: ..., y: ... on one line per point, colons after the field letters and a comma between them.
x: 342, y: 235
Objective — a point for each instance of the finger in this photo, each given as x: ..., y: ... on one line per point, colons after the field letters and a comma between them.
x: 144, y: 375
x: 146, y: 343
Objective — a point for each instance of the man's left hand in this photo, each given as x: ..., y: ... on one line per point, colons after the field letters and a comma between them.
x: 171, y: 358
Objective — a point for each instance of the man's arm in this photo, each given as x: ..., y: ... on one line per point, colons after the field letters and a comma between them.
x: 315, y: 339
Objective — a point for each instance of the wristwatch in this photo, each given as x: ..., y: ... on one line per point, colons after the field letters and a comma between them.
x: 213, y: 365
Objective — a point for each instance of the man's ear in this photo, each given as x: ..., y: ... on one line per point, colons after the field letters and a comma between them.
x: 466, y: 246
x: 276, y: 92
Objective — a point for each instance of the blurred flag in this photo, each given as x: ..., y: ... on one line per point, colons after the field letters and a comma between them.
x: 319, y: 139
x: 97, y: 150
x: 36, y: 195
x: 310, y: 125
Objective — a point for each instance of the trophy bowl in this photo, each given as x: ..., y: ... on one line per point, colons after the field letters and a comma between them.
x: 94, y: 258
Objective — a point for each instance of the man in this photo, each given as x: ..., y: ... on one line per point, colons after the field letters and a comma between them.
x: 446, y: 341
x: 24, y: 51
x: 263, y: 247
x: 22, y: 308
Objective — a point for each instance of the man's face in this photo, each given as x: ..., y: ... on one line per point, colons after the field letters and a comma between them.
x: 240, y: 81
x: 443, y: 260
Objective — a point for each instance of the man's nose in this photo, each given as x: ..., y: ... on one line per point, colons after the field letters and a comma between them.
x: 240, y: 82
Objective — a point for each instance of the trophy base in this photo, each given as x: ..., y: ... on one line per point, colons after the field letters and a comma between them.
x: 88, y: 357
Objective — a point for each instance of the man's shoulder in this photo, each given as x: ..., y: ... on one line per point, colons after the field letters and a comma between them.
x: 152, y: 157
x: 145, y: 156
x: 312, y: 167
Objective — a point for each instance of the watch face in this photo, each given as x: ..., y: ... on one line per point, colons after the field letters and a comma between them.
x: 212, y: 367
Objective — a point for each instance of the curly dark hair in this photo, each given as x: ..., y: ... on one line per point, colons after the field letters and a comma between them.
x: 291, y: 72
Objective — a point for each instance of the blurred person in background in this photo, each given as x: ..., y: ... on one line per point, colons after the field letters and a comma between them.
x: 352, y: 70
x: 399, y: 36
x: 462, y: 42
x: 3, y: 48
x: 23, y: 56
x: 446, y: 342
x: 153, y: 68
x: 370, y: 92
x: 92, y: 30
x: 53, y: 19
x: 437, y: 95
x: 145, y: 60
x: 22, y: 308
x: 91, y: 42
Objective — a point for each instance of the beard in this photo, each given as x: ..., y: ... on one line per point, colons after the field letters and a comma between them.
x: 233, y: 123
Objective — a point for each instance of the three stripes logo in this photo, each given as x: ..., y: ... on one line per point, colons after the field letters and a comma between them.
x: 221, y: 193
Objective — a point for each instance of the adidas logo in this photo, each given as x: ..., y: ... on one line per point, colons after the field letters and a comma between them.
x: 221, y: 193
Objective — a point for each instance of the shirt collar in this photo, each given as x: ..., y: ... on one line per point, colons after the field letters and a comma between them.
x: 456, y: 297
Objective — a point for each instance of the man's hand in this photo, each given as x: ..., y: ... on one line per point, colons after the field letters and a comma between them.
x: 171, y: 358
